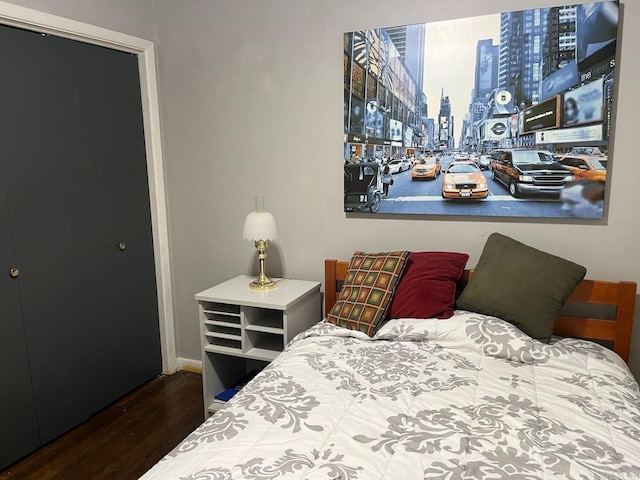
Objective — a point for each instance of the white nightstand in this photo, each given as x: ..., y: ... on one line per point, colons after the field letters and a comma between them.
x: 244, y: 329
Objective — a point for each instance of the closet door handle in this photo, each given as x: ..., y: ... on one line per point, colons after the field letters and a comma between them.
x: 14, y: 272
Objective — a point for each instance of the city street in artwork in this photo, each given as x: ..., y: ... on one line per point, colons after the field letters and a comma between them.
x: 505, y: 115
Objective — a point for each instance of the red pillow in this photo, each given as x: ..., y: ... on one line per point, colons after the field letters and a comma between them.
x: 427, y: 288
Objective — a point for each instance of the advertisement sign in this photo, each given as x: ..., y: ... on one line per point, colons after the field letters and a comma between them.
x: 600, y: 69
x: 542, y: 116
x: 592, y: 133
x: 608, y: 97
x: 584, y: 104
x: 514, y: 124
x: 408, y: 137
x: 497, y: 129
x: 373, y: 120
x: 395, y: 130
x: 356, y: 114
x: 485, y: 65
x: 596, y: 28
x: 503, y: 102
x: 560, y: 80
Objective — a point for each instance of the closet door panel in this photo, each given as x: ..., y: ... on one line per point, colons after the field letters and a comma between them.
x: 18, y: 426
x: 79, y: 205
x: 119, y: 247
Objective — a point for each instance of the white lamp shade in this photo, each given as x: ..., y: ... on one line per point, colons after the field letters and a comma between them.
x: 259, y: 226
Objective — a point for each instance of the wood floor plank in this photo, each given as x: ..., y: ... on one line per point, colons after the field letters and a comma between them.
x: 125, y: 439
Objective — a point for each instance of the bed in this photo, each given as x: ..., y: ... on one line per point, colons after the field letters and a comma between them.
x: 466, y: 397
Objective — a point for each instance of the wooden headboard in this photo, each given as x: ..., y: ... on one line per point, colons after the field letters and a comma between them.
x: 620, y: 295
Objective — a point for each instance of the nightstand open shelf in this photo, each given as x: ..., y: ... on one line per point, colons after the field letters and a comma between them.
x: 244, y: 329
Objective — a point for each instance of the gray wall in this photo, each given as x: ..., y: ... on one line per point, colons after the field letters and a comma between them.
x: 251, y: 104
x: 126, y: 16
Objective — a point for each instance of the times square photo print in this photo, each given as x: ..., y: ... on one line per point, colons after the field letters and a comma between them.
x: 505, y: 115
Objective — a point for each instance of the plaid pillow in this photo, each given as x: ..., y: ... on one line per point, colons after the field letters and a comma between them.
x: 367, y: 290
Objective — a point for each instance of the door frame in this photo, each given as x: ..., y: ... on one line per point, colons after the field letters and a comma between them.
x: 34, y: 20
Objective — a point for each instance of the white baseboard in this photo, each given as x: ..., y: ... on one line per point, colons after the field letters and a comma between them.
x: 189, y: 364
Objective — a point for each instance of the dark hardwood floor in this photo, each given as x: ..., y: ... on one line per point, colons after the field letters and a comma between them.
x: 125, y: 439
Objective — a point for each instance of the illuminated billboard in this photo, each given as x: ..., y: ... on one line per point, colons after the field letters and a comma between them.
x: 542, y: 115
x: 584, y: 104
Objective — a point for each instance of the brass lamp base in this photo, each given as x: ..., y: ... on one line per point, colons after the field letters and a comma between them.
x: 265, y: 284
x: 262, y: 282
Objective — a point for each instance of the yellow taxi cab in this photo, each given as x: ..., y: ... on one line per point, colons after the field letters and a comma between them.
x: 426, y: 167
x: 584, y: 166
x: 464, y: 179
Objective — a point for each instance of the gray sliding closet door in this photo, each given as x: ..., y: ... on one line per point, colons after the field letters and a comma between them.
x: 18, y: 427
x: 74, y: 168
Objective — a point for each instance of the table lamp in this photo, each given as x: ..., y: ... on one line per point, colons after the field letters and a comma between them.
x: 260, y: 226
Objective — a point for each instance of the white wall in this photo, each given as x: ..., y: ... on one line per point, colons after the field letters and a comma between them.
x: 251, y: 96
x: 251, y: 104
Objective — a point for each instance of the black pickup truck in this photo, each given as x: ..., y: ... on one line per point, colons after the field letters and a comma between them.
x: 528, y: 171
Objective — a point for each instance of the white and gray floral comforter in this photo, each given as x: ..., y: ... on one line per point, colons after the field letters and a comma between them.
x: 470, y: 397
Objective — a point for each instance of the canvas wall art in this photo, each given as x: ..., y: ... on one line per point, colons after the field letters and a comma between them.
x: 505, y: 115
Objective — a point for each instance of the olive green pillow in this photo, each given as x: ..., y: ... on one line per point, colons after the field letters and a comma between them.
x: 520, y: 284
